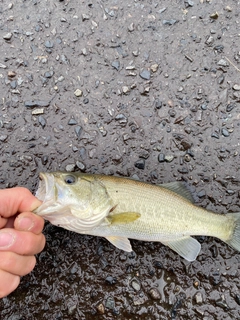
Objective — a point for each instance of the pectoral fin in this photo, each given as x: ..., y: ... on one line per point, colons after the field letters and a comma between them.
x: 124, y: 217
x: 120, y: 242
x: 186, y: 247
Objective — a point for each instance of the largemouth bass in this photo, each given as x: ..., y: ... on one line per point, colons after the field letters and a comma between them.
x: 120, y: 208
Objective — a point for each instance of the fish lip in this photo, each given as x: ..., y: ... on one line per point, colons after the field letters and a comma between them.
x: 45, y: 191
x: 42, y: 187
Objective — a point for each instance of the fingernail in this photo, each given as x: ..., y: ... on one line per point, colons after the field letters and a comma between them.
x: 35, y: 204
x: 25, y: 224
x: 6, y: 239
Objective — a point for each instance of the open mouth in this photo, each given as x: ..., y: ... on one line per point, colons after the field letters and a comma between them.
x: 41, y: 191
x: 45, y: 191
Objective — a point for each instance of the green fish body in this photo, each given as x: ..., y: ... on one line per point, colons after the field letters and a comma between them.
x: 120, y: 208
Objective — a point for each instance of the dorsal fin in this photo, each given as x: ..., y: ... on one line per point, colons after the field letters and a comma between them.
x: 178, y: 188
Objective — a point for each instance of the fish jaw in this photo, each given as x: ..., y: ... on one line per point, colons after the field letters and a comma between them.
x: 45, y: 192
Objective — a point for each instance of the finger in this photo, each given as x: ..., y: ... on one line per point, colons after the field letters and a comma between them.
x: 8, y: 283
x: 29, y: 221
x: 21, y: 242
x: 17, y: 200
x: 3, y: 222
x: 16, y: 264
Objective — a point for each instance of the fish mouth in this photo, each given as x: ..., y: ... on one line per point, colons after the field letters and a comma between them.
x: 45, y: 191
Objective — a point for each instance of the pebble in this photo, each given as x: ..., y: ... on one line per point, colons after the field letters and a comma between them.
x: 85, y: 17
x: 80, y: 165
x: 102, y: 129
x: 49, y: 44
x: 136, y: 285
x: 214, y: 250
x: 110, y: 303
x: 183, y: 170
x: 236, y: 87
x: 3, y: 137
x: 144, y: 154
x: 198, y: 298
x: 78, y: 130
x: 168, y: 158
x: 223, y: 63
x: 225, y: 132
x: 7, y: 36
x: 201, y: 193
x: 154, y: 293
x: 100, y: 308
x: 140, y: 164
x: 170, y: 22
x: 60, y: 79
x: 214, y: 15
x: 116, y: 65
x: 187, y: 158
x: 222, y: 303
x: 158, y: 103
x: 78, y: 93
x: 44, y: 160
x: 3, y: 66
x: 72, y: 309
x: 92, y: 152
x: 36, y: 103
x: 70, y: 167
x: 72, y: 122
x: 82, y: 153
x: 13, y: 84
x: 219, y: 48
x: 125, y: 89
x: 131, y: 27
x: 215, y: 135
x: 42, y: 121
x: 110, y: 280
x: 11, y: 74
x: 48, y: 74
x: 237, y: 298
x: 121, y: 118
x: 209, y: 41
x: 161, y: 157
x: 154, y: 67
x: 145, y: 74
x: 38, y: 111
x: 189, y: 3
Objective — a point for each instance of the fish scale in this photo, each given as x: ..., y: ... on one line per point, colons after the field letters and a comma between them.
x: 120, y: 208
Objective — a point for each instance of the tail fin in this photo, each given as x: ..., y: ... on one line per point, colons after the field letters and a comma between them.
x: 234, y: 241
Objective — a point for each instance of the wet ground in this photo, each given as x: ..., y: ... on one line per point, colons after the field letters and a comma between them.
x: 146, y: 89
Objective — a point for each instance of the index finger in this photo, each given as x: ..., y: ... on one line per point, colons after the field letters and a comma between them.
x: 16, y: 200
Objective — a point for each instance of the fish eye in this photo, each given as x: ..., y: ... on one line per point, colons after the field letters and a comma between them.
x: 70, y: 179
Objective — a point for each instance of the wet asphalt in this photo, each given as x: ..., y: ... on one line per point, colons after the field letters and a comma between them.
x: 142, y: 89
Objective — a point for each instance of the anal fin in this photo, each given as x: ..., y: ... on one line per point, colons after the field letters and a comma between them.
x: 120, y: 242
x: 186, y: 247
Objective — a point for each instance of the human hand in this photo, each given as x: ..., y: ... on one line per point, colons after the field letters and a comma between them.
x: 20, y: 236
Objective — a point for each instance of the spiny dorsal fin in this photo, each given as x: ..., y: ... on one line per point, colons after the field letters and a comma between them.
x: 178, y: 188
x: 120, y: 242
x: 123, y: 217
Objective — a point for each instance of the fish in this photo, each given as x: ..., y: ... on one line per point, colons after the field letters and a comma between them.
x: 120, y: 209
